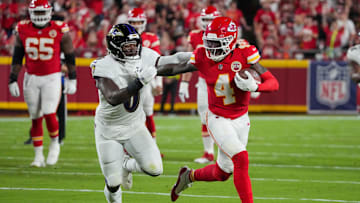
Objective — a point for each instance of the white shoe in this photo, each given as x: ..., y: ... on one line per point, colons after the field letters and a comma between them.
x: 38, y: 162
x: 54, y: 152
x: 127, y: 180
x: 206, y: 158
x: 112, y: 197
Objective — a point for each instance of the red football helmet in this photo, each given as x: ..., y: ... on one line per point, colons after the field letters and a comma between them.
x: 40, y: 12
x: 137, y: 18
x: 220, y: 38
x: 207, y: 15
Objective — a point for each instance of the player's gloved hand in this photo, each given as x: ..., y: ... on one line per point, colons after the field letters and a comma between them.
x: 246, y: 84
x: 254, y: 95
x: 146, y: 74
x: 184, y: 91
x: 69, y: 86
x: 14, y: 89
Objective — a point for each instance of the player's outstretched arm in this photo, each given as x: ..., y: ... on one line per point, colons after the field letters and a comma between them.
x: 269, y: 82
x: 16, y: 65
x: 174, y: 64
x: 113, y: 94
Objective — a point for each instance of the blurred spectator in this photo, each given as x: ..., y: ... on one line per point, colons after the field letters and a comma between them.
x: 263, y: 18
x: 308, y: 37
x: 237, y: 16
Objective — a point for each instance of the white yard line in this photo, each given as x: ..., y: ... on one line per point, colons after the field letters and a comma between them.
x: 16, y: 170
x: 252, y: 117
x: 185, y: 195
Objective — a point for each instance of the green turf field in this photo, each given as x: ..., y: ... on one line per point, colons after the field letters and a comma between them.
x: 292, y: 159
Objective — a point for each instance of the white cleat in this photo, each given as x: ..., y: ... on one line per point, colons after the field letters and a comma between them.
x: 206, y: 158
x: 54, y: 152
x: 38, y: 162
x: 127, y: 180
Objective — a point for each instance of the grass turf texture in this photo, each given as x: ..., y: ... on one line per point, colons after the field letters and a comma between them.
x: 292, y: 159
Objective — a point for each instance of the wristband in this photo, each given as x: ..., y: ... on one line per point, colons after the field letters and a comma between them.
x: 134, y: 86
x: 12, y: 78
x: 72, y: 75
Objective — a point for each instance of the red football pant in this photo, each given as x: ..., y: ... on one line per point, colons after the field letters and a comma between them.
x: 241, y: 177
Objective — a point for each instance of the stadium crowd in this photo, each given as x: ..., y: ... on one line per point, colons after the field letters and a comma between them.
x: 281, y: 29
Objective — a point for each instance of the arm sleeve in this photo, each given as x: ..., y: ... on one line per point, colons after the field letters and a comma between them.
x: 269, y: 84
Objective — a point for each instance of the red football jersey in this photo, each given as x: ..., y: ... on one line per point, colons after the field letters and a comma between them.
x: 150, y: 40
x: 225, y: 98
x: 195, y: 38
x: 42, y: 46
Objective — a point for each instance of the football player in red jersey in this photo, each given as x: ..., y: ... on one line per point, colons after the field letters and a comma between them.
x: 228, y: 96
x: 41, y: 40
x: 137, y: 18
x: 195, y: 40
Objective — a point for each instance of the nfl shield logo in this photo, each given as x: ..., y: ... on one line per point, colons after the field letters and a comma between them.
x: 333, y: 84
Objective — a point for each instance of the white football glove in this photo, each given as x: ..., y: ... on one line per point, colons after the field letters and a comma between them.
x: 69, y: 86
x: 184, y: 91
x: 145, y: 75
x: 246, y: 84
x: 14, y: 89
x: 254, y: 95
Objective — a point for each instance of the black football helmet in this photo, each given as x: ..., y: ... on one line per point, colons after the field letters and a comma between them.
x: 124, y: 42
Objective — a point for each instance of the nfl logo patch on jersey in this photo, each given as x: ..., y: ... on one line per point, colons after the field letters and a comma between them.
x: 236, y: 66
x: 52, y: 33
x: 220, y: 67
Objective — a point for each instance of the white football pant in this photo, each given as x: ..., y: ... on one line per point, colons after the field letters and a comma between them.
x: 42, y: 93
x: 140, y: 146
x: 231, y: 137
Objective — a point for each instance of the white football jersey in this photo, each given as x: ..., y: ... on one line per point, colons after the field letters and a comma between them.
x: 123, y: 117
x: 353, y: 53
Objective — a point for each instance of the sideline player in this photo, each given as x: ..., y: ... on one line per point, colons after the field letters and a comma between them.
x: 41, y: 41
x: 195, y: 40
x: 137, y: 18
x: 229, y: 94
x: 119, y: 119
x: 353, y: 57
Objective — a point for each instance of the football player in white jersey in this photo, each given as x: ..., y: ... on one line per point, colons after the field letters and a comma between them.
x: 353, y: 56
x: 119, y: 118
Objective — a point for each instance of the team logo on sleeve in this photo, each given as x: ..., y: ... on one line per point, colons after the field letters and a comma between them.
x: 146, y: 43
x: 236, y: 66
x: 52, y: 33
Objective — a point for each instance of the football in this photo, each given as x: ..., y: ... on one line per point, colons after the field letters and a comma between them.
x: 253, y: 72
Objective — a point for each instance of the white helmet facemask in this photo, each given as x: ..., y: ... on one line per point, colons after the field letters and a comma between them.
x: 40, y: 16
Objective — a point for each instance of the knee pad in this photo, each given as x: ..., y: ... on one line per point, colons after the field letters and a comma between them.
x: 219, y: 174
x: 153, y: 170
x: 113, y: 180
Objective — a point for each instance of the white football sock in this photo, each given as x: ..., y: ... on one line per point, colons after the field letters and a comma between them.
x: 55, y: 139
x: 208, y: 144
x: 39, y: 152
x: 132, y: 166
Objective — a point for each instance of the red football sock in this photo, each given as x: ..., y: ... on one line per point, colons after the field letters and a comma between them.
x: 204, y: 131
x: 241, y: 177
x: 36, y: 132
x: 211, y: 173
x: 150, y: 124
x: 52, y: 125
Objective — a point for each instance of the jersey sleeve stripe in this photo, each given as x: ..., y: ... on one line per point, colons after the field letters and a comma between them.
x: 192, y: 59
x: 156, y: 43
x: 253, y: 58
x: 65, y: 29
